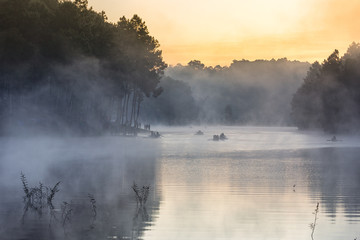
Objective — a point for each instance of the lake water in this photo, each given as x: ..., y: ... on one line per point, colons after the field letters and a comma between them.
x: 260, y: 183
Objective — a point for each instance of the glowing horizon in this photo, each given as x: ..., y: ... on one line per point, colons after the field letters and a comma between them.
x: 216, y: 33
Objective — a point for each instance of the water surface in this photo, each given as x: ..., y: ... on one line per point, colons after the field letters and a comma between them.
x: 261, y: 183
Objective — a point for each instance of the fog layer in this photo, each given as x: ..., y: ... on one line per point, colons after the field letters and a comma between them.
x: 248, y: 92
x: 65, y: 68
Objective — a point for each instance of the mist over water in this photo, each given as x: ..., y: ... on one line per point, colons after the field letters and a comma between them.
x: 245, y: 93
x: 259, y: 183
x: 81, y: 157
x: 105, y: 167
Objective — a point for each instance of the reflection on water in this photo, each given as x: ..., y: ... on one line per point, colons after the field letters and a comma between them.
x: 95, y: 199
x: 260, y: 183
x: 264, y: 188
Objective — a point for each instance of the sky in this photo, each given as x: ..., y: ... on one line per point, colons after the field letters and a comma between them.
x: 217, y: 32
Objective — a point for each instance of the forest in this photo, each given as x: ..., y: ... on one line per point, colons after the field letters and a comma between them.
x: 329, y: 98
x: 245, y: 93
x: 66, y: 68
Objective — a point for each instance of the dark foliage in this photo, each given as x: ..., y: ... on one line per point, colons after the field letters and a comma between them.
x: 64, y: 66
x: 329, y: 98
x: 175, y: 106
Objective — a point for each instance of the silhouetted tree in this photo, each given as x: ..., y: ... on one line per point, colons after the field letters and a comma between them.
x: 196, y: 64
x: 258, y: 91
x: 228, y: 115
x: 176, y: 106
x: 329, y: 97
x: 62, y: 62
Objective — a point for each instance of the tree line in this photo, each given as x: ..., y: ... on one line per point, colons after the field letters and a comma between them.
x: 329, y: 98
x: 245, y: 93
x: 65, y: 66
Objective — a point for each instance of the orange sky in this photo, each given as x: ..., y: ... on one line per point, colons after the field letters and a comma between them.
x: 217, y: 32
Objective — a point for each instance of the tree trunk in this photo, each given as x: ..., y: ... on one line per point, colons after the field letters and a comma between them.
x: 132, y: 117
x: 123, y: 109
x: 127, y: 108
x: 138, y: 110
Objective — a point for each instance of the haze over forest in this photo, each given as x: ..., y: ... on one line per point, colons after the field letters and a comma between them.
x: 247, y: 92
x: 65, y: 68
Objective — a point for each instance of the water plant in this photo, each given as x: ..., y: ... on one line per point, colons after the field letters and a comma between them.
x: 141, y: 194
x: 36, y: 198
x: 40, y: 198
x: 51, y: 194
x: 66, y: 211
x: 93, y: 205
x: 313, y: 224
